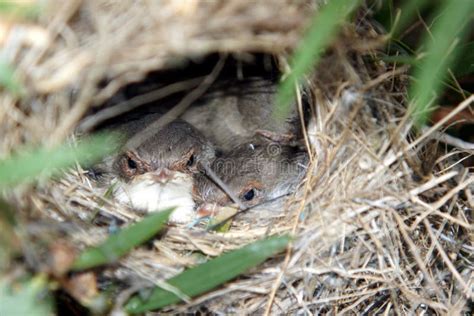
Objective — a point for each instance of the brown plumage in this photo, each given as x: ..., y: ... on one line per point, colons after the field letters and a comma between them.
x: 178, y: 146
x: 237, y: 111
x: 254, y: 172
x: 157, y: 174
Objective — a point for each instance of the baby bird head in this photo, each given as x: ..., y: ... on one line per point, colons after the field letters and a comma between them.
x: 255, y: 173
x: 176, y: 147
x: 157, y: 173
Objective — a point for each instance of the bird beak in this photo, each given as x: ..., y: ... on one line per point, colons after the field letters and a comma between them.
x: 162, y: 175
x: 216, y: 212
x: 207, y: 209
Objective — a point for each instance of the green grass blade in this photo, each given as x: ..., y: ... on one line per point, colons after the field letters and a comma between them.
x: 121, y: 243
x: 209, y: 275
x: 447, y: 32
x: 28, y: 165
x: 401, y: 59
x: 322, y: 31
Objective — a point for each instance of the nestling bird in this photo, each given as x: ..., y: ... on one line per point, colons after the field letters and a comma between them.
x: 177, y: 146
x: 255, y: 173
x: 157, y: 174
x: 157, y: 171
x: 237, y: 111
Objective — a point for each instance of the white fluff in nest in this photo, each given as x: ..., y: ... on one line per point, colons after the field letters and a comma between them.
x: 144, y: 193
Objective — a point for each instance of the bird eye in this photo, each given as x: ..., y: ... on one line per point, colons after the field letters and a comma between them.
x: 190, y: 162
x: 131, y: 163
x: 249, y: 195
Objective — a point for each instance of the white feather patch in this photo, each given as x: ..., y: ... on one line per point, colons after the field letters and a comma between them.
x: 146, y: 194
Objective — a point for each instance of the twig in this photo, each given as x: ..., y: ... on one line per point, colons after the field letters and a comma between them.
x: 413, y: 249
x: 429, y: 131
x: 450, y: 140
x: 432, y: 183
x: 449, y: 264
x: 224, y: 187
x: 245, y: 208
x: 179, y: 109
x: 453, y: 192
x: 135, y: 102
x: 383, y: 77
x: 433, y: 211
x: 277, y: 283
x: 441, y: 122
x: 79, y: 108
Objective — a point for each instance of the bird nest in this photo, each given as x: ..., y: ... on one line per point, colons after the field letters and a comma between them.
x: 382, y: 221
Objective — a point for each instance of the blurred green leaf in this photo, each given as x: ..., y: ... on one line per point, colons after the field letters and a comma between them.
x: 28, y: 165
x: 322, y: 31
x: 463, y: 66
x: 209, y: 275
x: 8, y: 80
x: 121, y: 243
x: 441, y: 49
x: 29, y: 10
x: 401, y: 59
x: 29, y: 298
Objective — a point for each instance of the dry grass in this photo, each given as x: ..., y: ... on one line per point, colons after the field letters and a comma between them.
x: 375, y: 232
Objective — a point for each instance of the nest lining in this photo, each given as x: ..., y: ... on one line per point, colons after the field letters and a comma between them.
x: 372, y: 233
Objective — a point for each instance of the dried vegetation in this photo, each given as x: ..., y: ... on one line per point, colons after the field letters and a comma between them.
x: 382, y: 222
